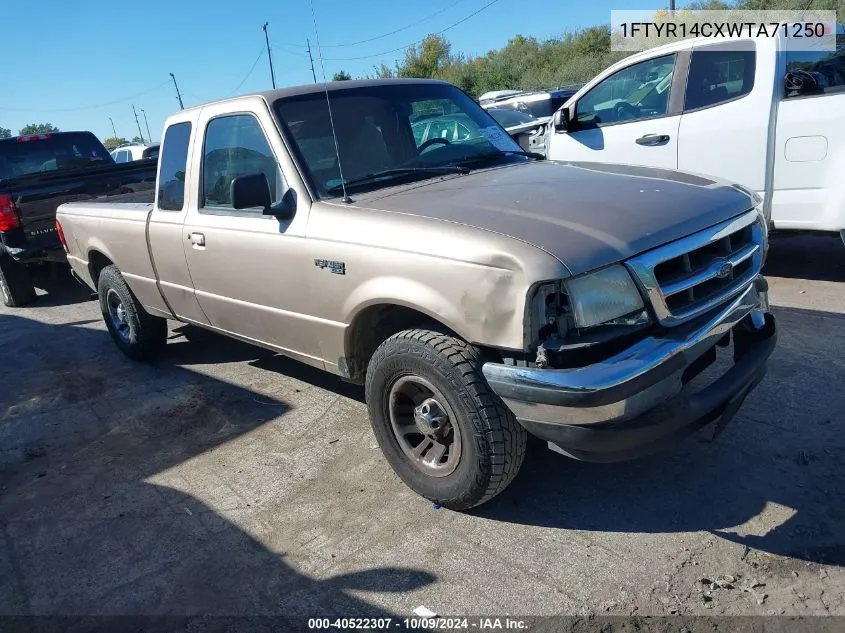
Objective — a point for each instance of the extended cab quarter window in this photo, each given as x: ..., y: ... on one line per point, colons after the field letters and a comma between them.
x: 171, y: 175
x: 816, y: 72
x: 718, y: 75
x: 640, y: 91
x: 236, y: 146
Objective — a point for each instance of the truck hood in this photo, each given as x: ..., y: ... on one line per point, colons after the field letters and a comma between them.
x: 587, y: 215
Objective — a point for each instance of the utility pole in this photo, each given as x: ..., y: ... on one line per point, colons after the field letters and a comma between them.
x: 671, y: 7
x: 140, y: 133
x: 178, y: 95
x: 147, y: 123
x: 269, y: 56
x: 112, y: 128
x: 313, y: 74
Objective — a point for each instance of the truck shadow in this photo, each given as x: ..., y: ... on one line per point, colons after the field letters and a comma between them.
x: 782, y: 454
x: 94, y: 454
x: 194, y: 345
x: 57, y: 286
x: 806, y: 256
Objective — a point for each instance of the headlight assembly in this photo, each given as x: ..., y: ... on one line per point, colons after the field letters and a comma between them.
x: 601, y: 297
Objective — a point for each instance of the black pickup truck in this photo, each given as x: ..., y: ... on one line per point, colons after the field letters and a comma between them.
x: 38, y: 173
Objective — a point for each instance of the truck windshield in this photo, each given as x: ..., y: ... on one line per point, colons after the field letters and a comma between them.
x: 24, y: 155
x: 389, y: 129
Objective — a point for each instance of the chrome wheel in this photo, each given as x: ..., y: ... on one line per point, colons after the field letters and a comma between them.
x: 423, y: 425
x: 117, y: 316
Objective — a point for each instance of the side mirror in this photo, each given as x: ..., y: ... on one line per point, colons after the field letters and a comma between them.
x: 285, y: 209
x: 250, y: 191
x: 561, y: 120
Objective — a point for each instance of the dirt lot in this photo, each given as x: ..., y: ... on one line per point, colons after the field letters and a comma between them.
x: 226, y: 480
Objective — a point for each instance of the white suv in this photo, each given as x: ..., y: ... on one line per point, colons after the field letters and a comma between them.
x: 129, y: 153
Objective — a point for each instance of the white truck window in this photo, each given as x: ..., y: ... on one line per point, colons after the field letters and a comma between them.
x: 640, y: 91
x: 172, y: 163
x: 235, y: 145
x: 816, y: 72
x: 716, y: 76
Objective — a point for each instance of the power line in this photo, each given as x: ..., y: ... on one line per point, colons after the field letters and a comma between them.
x: 92, y: 107
x: 399, y: 30
x: 402, y: 48
x: 254, y: 64
x: 287, y: 50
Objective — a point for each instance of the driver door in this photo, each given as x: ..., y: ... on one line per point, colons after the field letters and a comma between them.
x: 630, y: 117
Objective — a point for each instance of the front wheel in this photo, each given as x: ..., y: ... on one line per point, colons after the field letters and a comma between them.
x: 137, y: 333
x: 443, y: 430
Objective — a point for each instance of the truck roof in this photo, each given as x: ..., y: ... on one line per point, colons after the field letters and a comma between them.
x: 320, y: 88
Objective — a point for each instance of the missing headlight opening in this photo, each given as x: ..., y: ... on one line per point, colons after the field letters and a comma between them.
x: 552, y: 320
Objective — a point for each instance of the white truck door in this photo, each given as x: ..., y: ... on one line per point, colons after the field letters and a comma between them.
x: 810, y: 144
x: 728, y: 107
x: 627, y: 117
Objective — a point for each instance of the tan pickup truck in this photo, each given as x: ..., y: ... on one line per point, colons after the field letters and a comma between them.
x: 478, y: 293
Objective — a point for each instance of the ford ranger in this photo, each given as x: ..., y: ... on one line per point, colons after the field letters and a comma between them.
x: 477, y: 293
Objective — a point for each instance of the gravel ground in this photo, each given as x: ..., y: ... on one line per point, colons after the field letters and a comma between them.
x: 226, y: 480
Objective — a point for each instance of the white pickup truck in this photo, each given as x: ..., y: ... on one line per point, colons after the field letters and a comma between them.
x: 749, y: 111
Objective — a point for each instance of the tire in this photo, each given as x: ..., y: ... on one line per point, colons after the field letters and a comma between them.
x: 408, y: 376
x: 16, y: 287
x: 138, y: 334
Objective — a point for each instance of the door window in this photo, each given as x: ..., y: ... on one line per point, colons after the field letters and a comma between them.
x: 640, y: 91
x: 716, y: 76
x: 236, y: 146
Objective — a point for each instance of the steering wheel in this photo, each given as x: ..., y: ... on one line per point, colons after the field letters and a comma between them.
x: 625, y: 111
x: 432, y: 141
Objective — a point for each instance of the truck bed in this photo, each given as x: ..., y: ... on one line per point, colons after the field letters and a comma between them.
x: 37, y: 197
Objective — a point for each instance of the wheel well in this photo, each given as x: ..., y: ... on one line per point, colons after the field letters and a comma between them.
x: 96, y: 262
x: 374, y: 325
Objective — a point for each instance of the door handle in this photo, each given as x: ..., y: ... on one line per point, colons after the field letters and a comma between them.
x: 652, y: 139
x: 197, y: 239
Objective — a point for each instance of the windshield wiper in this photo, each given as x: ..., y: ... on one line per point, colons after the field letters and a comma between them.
x: 399, y: 171
x: 499, y: 153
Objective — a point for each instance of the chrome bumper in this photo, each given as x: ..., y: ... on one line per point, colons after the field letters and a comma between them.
x: 628, y: 385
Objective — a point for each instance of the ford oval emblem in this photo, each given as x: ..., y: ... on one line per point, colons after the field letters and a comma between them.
x: 724, y: 270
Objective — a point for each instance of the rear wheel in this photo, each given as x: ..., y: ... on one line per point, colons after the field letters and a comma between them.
x: 443, y: 430
x: 138, y: 334
x: 16, y: 287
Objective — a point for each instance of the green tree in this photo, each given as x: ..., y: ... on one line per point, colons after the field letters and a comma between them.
x: 138, y: 139
x: 5, y: 132
x: 426, y: 60
x: 341, y: 76
x: 383, y: 72
x: 38, y: 128
x: 112, y: 142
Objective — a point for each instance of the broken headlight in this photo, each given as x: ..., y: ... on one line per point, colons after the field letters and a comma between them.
x: 603, y: 297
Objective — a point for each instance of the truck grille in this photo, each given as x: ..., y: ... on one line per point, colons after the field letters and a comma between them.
x: 693, y: 275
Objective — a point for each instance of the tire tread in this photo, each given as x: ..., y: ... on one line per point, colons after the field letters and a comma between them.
x: 502, y: 433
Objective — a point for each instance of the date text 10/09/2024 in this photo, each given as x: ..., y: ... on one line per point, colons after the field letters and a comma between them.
x: 418, y: 624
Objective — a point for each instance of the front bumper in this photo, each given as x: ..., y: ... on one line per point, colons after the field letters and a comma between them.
x: 635, y: 403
